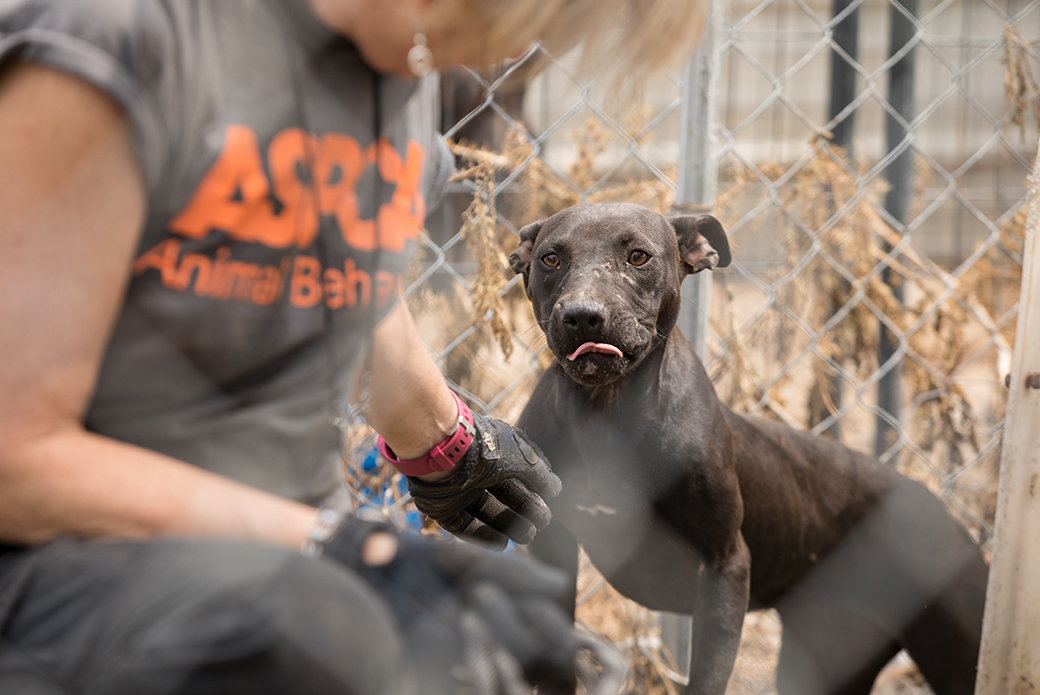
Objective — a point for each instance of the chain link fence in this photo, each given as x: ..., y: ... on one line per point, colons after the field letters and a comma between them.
x: 869, y: 161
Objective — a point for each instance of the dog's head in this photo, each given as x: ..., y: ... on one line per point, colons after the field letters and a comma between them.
x: 604, y: 281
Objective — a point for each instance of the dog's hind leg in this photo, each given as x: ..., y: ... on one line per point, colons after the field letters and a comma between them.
x: 828, y: 652
x: 944, y: 638
x: 942, y: 580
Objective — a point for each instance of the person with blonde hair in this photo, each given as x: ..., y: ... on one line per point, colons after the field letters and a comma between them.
x: 206, y: 210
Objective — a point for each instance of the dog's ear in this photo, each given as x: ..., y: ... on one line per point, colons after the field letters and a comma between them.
x: 520, y: 260
x: 702, y: 242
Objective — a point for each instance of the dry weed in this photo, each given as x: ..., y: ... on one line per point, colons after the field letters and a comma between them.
x: 480, y: 231
x: 1020, y: 88
x: 831, y: 265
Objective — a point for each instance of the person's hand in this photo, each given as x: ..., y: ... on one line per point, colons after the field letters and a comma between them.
x: 496, y: 491
x: 472, y: 619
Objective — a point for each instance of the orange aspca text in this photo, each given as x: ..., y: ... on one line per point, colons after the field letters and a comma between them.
x: 225, y: 279
x: 351, y: 288
x: 236, y: 196
x: 217, y: 278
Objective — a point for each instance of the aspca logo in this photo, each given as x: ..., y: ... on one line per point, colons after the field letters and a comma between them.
x: 311, y: 177
x: 236, y: 196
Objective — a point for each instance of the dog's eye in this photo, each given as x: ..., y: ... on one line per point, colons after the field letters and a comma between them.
x: 551, y: 260
x: 638, y: 257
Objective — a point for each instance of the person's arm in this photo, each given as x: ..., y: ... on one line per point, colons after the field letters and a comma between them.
x: 496, y: 489
x: 71, y: 207
x: 406, y: 399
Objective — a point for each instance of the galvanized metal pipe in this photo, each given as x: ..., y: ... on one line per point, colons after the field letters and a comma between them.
x: 698, y: 165
x: 845, y: 35
x: 843, y: 76
x: 900, y: 175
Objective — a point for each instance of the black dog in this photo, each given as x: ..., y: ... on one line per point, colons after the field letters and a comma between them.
x: 688, y: 507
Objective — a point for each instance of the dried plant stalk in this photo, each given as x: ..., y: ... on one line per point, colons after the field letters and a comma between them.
x: 480, y: 231
x: 1020, y: 88
x: 830, y: 265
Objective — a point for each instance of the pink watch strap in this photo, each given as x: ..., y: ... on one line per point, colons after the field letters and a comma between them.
x: 442, y: 457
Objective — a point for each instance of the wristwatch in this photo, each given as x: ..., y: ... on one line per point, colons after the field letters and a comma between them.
x: 442, y: 457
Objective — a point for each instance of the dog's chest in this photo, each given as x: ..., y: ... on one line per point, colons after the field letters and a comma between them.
x: 605, y: 479
x: 608, y: 503
x: 616, y: 468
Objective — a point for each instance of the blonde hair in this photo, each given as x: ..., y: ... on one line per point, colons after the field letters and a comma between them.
x: 641, y: 35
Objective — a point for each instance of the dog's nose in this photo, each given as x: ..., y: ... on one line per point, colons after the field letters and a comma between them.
x: 586, y: 319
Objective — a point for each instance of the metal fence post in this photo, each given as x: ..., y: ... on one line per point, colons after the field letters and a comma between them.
x: 698, y: 179
x: 1009, y: 661
x: 842, y: 94
x: 900, y: 175
x: 698, y: 165
x: 843, y: 75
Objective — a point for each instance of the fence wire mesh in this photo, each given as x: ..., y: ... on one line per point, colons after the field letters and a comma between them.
x: 872, y: 162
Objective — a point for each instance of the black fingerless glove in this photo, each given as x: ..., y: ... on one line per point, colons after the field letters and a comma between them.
x: 496, y: 492
x: 458, y: 605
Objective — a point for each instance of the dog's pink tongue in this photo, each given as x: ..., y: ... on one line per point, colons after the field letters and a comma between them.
x: 594, y: 347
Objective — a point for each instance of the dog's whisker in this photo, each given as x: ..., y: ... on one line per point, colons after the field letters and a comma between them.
x: 528, y: 330
x: 533, y: 341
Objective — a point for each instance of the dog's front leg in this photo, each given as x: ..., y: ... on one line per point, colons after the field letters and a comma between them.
x: 718, y: 620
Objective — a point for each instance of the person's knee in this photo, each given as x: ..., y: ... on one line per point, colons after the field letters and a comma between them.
x: 264, y: 620
x: 28, y: 682
x: 231, y: 616
x: 332, y: 626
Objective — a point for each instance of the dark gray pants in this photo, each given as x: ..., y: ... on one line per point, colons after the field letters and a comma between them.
x: 190, y: 616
